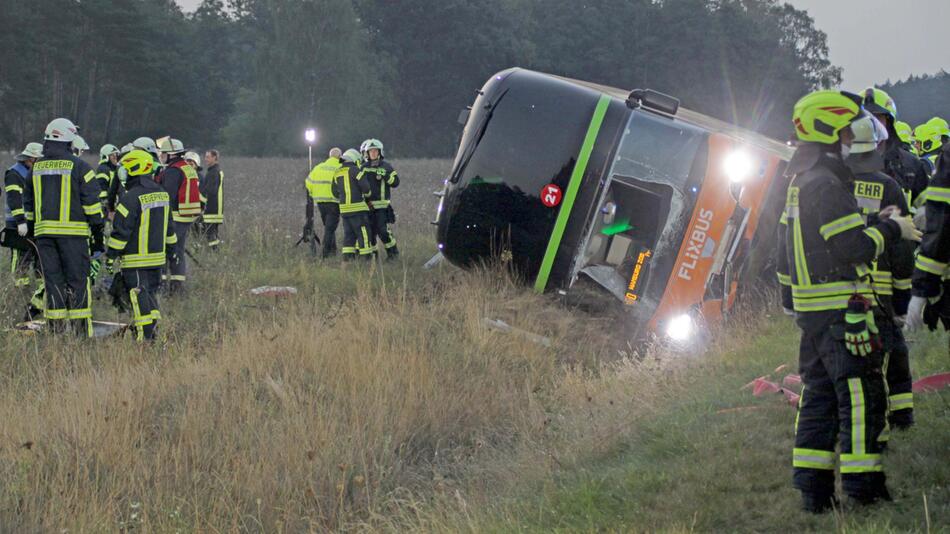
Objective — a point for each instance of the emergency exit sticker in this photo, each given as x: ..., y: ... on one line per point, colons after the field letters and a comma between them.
x: 551, y: 195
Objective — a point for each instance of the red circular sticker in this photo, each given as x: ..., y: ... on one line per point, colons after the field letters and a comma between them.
x: 551, y: 195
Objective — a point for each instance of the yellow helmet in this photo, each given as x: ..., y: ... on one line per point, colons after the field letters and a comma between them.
x: 904, y: 132
x: 879, y: 102
x: 928, y: 136
x: 940, y: 125
x: 138, y: 163
x: 820, y: 116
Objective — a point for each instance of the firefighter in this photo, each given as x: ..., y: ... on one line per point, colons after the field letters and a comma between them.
x: 938, y: 134
x: 351, y: 190
x: 79, y: 145
x: 899, y: 163
x: 180, y: 181
x: 117, y: 186
x: 105, y: 173
x: 148, y: 144
x: 906, y: 135
x: 382, y: 179
x: 62, y: 200
x: 824, y: 249
x: 929, y: 143
x: 143, y: 236
x: 23, y: 259
x: 319, y: 185
x: 930, y: 301
x: 891, y: 272
x: 212, y: 193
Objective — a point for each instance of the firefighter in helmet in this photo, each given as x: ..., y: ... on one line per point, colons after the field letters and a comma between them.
x: 382, y: 179
x: 143, y: 236
x: 62, y: 200
x: 824, y: 253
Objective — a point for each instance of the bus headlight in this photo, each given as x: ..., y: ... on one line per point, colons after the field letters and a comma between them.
x: 738, y: 166
x: 680, y: 328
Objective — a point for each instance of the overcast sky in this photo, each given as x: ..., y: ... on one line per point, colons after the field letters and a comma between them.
x: 873, y: 40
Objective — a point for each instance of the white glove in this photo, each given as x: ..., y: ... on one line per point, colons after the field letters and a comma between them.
x: 920, y: 218
x: 22, y: 229
x: 908, y: 230
x: 788, y: 311
x: 915, y: 313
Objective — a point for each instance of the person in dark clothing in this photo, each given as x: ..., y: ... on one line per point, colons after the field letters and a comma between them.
x: 930, y: 292
x: 824, y: 248
x: 891, y: 272
x: 382, y: 179
x: 63, y: 226
x: 351, y: 190
x: 180, y: 180
x: 899, y: 162
x: 143, y: 236
x: 23, y: 261
x: 212, y: 194
x: 106, y: 172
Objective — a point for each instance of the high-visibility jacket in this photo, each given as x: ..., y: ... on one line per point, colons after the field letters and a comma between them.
x: 350, y: 189
x: 212, y: 193
x: 13, y: 183
x: 891, y: 272
x: 319, y: 183
x: 62, y: 196
x: 180, y: 181
x: 382, y: 179
x: 105, y: 174
x: 824, y: 246
x: 142, y: 227
x: 911, y: 173
x: 933, y: 256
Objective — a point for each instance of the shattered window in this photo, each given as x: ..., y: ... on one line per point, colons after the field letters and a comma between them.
x: 655, y: 149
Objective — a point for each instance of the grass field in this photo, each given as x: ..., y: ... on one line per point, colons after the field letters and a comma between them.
x: 376, y: 399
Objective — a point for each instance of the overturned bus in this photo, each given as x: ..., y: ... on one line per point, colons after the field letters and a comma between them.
x: 664, y: 210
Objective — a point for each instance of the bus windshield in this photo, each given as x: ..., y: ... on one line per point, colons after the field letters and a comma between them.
x: 651, y: 190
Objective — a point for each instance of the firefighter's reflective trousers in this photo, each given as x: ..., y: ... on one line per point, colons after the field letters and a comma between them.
x: 356, y: 235
x: 143, y: 286
x: 843, y: 402
x: 65, y: 263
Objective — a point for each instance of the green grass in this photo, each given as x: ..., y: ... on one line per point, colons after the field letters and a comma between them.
x: 377, y: 400
x: 700, y: 464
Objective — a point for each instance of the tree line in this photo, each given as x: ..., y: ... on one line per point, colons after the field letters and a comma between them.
x: 250, y: 75
x: 919, y: 98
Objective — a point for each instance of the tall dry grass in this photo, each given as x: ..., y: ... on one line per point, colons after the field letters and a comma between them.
x: 322, y: 412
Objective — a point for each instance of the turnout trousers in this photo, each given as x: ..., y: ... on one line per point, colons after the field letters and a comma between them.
x: 65, y: 262
x: 23, y: 263
x: 356, y: 235
x: 900, y: 397
x: 143, y: 285
x: 177, y: 271
x: 210, y: 233
x: 843, y: 402
x: 330, y: 215
x: 380, y: 227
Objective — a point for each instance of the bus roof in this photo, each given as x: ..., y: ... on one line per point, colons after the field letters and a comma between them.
x: 705, y: 122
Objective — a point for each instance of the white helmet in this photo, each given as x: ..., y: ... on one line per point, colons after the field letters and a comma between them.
x: 32, y: 150
x: 352, y: 155
x: 868, y: 134
x: 80, y: 144
x: 126, y: 148
x: 168, y: 145
x: 62, y: 130
x: 193, y: 156
x: 145, y: 143
x: 108, y: 150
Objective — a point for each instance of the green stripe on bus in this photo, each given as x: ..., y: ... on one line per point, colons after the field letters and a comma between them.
x: 580, y: 167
